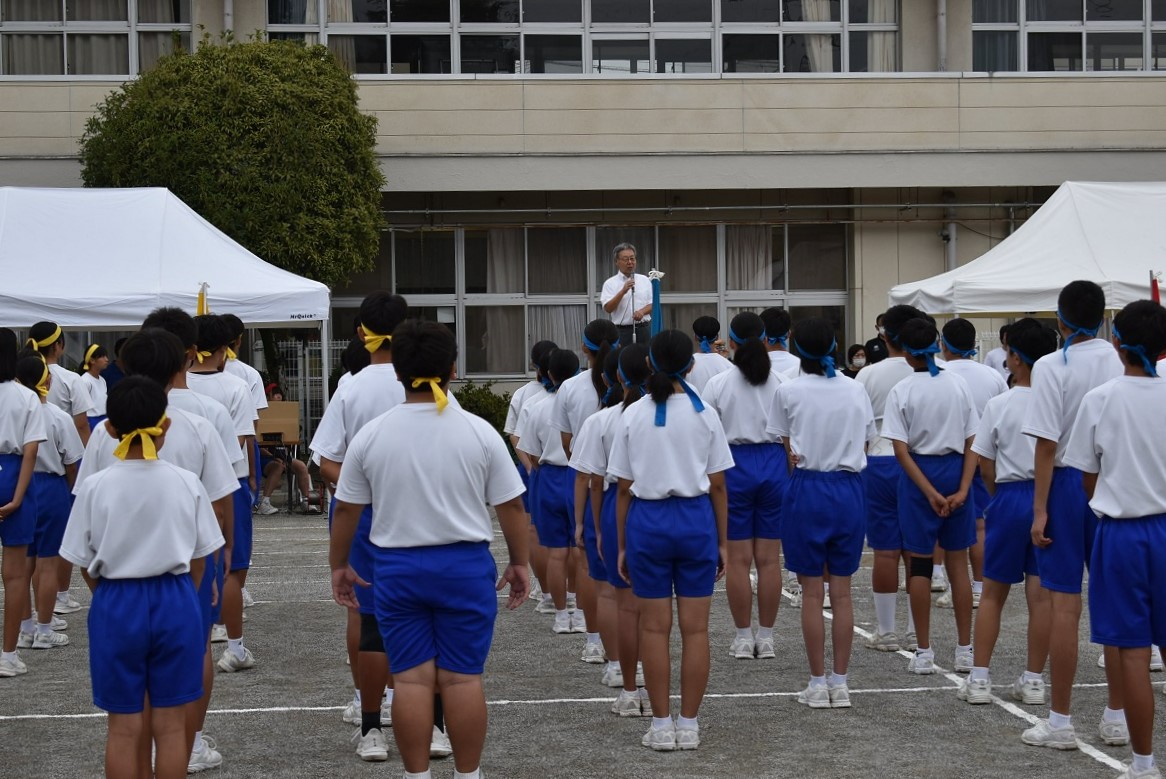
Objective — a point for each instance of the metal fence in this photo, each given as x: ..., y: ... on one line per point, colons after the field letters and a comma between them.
x: 303, y: 377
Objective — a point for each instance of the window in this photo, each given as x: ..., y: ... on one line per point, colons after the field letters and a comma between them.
x: 360, y: 53
x: 490, y: 11
x: 683, y: 11
x: 418, y: 11
x: 553, y: 54
x: 620, y: 56
x: 684, y: 56
x: 794, y: 257
x: 421, y: 54
x: 367, y: 11
x: 816, y: 256
x: 615, y: 11
x: 750, y: 10
x: 489, y: 53
x: 495, y: 260
x: 496, y: 340
x: 424, y: 262
x: 751, y: 54
x: 559, y: 11
x: 556, y: 260
x: 812, y: 53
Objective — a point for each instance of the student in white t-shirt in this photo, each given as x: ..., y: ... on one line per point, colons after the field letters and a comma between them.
x: 742, y: 397
x: 68, y: 393
x: 931, y: 419
x: 708, y: 359
x: 827, y: 422
x: 997, y: 359
x: 1006, y: 462
x: 777, y: 324
x: 436, y: 599
x: 145, y: 627
x: 242, y: 370
x: 670, y: 453
x: 1117, y: 441
x: 96, y: 360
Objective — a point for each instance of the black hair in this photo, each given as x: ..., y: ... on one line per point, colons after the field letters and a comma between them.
x: 381, y: 312
x: 423, y: 349
x: 706, y: 328
x: 173, y: 320
x: 814, y: 336
x: 1081, y: 304
x: 212, y: 333
x: 539, y: 350
x: 633, y: 363
x: 750, y: 357
x: 1141, y: 329
x: 602, y: 333
x: 562, y: 365
x: 355, y: 357
x: 960, y: 335
x: 777, y: 323
x: 236, y: 325
x: 30, y: 369
x: 135, y: 402
x: 1032, y: 339
x: 614, y: 394
x: 895, y: 317
x: 39, y: 332
x: 917, y: 333
x: 154, y: 353
x: 542, y: 365
x: 9, y: 347
x: 671, y: 352
x: 1003, y: 332
x: 878, y: 319
x: 852, y: 350
x: 99, y: 351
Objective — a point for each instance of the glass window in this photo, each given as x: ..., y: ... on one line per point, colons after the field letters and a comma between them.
x: 1158, y: 10
x: 418, y: 11
x: 994, y: 51
x: 1053, y: 10
x: 817, y: 256
x: 1113, y: 51
x: 497, y: 11
x: 552, y: 11
x: 425, y: 262
x: 306, y: 38
x: 163, y: 11
x: 880, y: 11
x: 367, y: 11
x: 446, y: 315
x: 813, y: 10
x: 1113, y: 10
x: 755, y: 257
x: 874, y: 52
x: 751, y: 54
x: 812, y: 53
x: 98, y: 54
x: 750, y: 10
x: 684, y: 56
x: 689, y: 255
x: 1054, y: 51
x: 360, y: 53
x: 153, y: 46
x: 30, y: 11
x: 680, y: 316
x: 554, y: 54
x: 643, y: 238
x: 291, y: 12
x: 1158, y: 51
x: 619, y: 57
x: 561, y: 324
x: 421, y: 54
x: 94, y: 11
x: 489, y: 53
x: 684, y: 11
x: 835, y: 315
x: 495, y: 341
x: 379, y: 277
x: 33, y: 54
x: 495, y: 260
x: 605, y: 11
x: 988, y: 11
x: 556, y: 260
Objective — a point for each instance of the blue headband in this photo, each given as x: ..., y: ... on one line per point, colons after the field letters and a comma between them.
x: 662, y: 408
x: 705, y: 346
x: 781, y: 339
x: 594, y: 347
x: 611, y: 382
x: 624, y: 378
x: 826, y: 360
x: 929, y: 353
x: 1023, y: 357
x: 741, y: 341
x: 1092, y: 333
x: 960, y: 352
x: 1149, y: 365
x: 546, y: 382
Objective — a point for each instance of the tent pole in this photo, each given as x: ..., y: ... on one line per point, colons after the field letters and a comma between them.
x: 326, y: 355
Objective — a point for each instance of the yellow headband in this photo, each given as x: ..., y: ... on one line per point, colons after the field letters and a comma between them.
x: 438, y: 396
x: 231, y: 354
x: 201, y: 356
x: 42, y: 386
x: 89, y: 355
x: 38, y: 345
x: 147, y: 434
x: 372, y: 341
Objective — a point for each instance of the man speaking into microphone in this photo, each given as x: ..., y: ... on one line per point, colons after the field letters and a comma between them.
x: 627, y: 297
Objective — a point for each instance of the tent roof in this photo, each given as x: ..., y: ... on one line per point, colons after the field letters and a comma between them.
x: 104, y: 258
x: 1113, y: 234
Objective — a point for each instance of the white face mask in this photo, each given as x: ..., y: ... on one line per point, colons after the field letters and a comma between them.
x: 858, y: 362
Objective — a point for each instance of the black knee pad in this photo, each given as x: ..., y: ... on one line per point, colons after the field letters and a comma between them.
x: 370, y: 634
x: 920, y: 566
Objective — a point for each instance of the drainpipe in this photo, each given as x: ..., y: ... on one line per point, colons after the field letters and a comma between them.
x: 949, y: 230
x: 229, y: 15
x: 941, y: 35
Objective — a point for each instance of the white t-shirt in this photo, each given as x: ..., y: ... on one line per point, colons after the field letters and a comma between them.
x: 999, y: 438
x: 983, y: 382
x: 62, y: 445
x: 21, y: 420
x: 344, y: 377
x: 704, y: 367
x: 191, y: 444
x: 68, y: 393
x: 877, y: 380
x: 1120, y: 434
x: 674, y: 460
x: 140, y: 518
x: 827, y: 422
x: 428, y: 476
x: 537, y: 437
x: 516, y: 402
x: 931, y: 414
x: 575, y: 400
x: 592, y: 447
x: 743, y: 408
x: 216, y: 413
x: 232, y: 392
x: 997, y: 360
x: 641, y: 292
x: 784, y: 362
x: 1057, y: 389
x: 370, y: 393
x: 252, y: 379
x: 98, y: 392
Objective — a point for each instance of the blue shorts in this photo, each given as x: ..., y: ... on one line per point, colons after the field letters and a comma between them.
x: 19, y: 528
x: 361, y: 558
x: 145, y: 636
x: 756, y: 483
x: 881, y: 479
x: 824, y: 528
x: 596, y: 565
x: 437, y: 603
x: 979, y: 496
x: 1009, y: 555
x: 522, y: 474
x: 94, y: 421
x: 53, y: 504
x: 241, y: 546
x: 922, y: 528
x: 212, y: 572
x: 1127, y: 582
x: 553, y: 507
x: 610, y: 540
x: 1072, y: 526
x: 671, y: 545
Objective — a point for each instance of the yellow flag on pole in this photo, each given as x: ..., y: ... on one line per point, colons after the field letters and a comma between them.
x: 203, y: 307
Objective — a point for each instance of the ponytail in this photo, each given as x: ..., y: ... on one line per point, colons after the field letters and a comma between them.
x: 670, y: 355
x: 614, y: 393
x: 43, y: 335
x: 751, y: 357
x: 599, y: 337
x: 633, y: 372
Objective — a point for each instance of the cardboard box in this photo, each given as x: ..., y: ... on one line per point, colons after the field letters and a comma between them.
x: 279, y: 423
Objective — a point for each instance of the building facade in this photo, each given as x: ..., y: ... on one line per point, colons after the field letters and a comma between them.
x: 804, y: 153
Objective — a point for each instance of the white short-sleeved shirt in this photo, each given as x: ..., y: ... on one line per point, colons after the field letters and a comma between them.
x: 370, y: 393
x: 827, y: 422
x: 232, y: 392
x: 1120, y: 434
x: 983, y: 382
x: 21, y: 419
x: 1058, y: 386
x: 98, y: 392
x: 575, y: 400
x: 62, y: 445
x: 592, y: 447
x: 877, y: 380
x: 784, y: 362
x: 931, y: 414
x: 516, y: 402
x: 68, y: 393
x: 670, y: 461
x: 537, y: 437
x: 191, y: 444
x: 642, y: 294
x: 428, y: 476
x: 138, y: 519
x: 997, y: 360
x: 344, y: 377
x: 743, y: 408
x: 216, y: 413
x: 252, y: 379
x: 999, y: 438
x: 704, y: 367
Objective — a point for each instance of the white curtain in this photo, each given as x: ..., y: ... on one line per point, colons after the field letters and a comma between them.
x: 561, y: 324
x: 749, y: 256
x: 32, y: 10
x: 504, y: 260
x: 34, y: 54
x: 557, y: 260
x: 881, y: 48
x: 505, y: 254
x: 818, y: 47
x: 162, y: 11
x: 98, y: 54
x: 688, y: 255
x: 96, y: 10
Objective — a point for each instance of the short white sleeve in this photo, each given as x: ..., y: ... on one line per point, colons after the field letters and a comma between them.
x: 1045, y: 413
x: 985, y: 442
x: 894, y: 418
x: 329, y: 440
x: 1083, y: 451
x: 354, y: 486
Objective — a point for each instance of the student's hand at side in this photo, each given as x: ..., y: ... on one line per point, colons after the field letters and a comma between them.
x: 344, y: 584
x: 8, y: 509
x: 939, y: 504
x: 722, y: 561
x: 579, y: 537
x: 622, y: 566
x: 956, y: 501
x: 599, y: 544
x: 519, y: 580
x: 1040, y: 520
x: 214, y: 590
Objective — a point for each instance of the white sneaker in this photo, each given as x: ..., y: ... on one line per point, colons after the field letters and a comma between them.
x: 439, y: 745
x: 921, y: 664
x: 795, y: 596
x: 265, y: 508
x: 371, y: 747
x: 976, y: 599
x: 660, y: 740
x: 687, y: 738
x: 753, y: 582
x: 964, y: 660
x: 562, y: 624
x: 572, y: 604
x: 938, y: 580
x: 351, y: 715
x: 612, y: 676
x: 1115, y: 734
x: 1156, y: 659
x: 764, y: 649
x: 218, y: 634
x: 59, y: 624
x: 13, y: 667
x: 975, y: 691
x: 1128, y: 772
x: 826, y: 600
x: 593, y: 653
x: 911, y: 641
x: 204, y: 756
x: 640, y: 677
x: 545, y: 607
x: 884, y: 642
x: 386, y: 713
x: 815, y: 697
x: 578, y: 623
x: 49, y: 640
x: 839, y: 696
x: 630, y: 704
x: 1044, y: 735
x: 536, y: 594
x: 24, y: 640
x: 1101, y: 660
x: 943, y: 601
x: 229, y: 662
x: 248, y: 601
x: 742, y: 648
x: 66, y: 604
x: 1031, y: 692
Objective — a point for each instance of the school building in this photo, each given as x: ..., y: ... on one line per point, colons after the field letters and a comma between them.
x: 805, y: 153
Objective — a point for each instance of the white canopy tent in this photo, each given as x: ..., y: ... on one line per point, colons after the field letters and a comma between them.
x: 1110, y: 233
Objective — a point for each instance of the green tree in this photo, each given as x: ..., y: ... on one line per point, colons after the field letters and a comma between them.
x: 263, y: 139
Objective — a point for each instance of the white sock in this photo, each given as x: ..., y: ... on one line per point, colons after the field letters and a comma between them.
x: 1059, y: 721
x: 8, y: 656
x: 817, y: 681
x: 925, y: 651
x: 659, y: 723
x: 235, y: 646
x: 910, y: 621
x: 1029, y: 676
x: 1113, y: 715
x: 612, y: 665
x: 684, y: 723
x: 28, y: 625
x: 562, y: 614
x: 938, y: 571
x: 592, y: 638
x: 1143, y: 762
x: 764, y: 632
x: 570, y: 596
x: 979, y: 674
x: 967, y: 648
x: 977, y: 587
x: 44, y: 627
x: 356, y: 696
x: 388, y: 697
x: 197, y: 741
x: 423, y: 775
x: 885, y: 611
x: 745, y: 633
x: 63, y: 596
x: 837, y: 680
x: 475, y: 774
x: 547, y: 597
